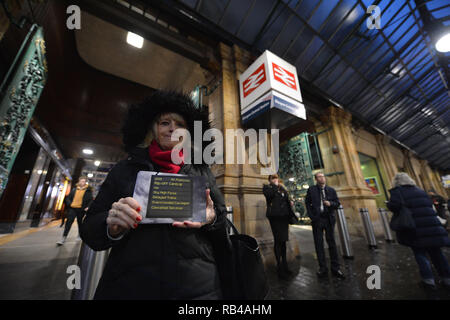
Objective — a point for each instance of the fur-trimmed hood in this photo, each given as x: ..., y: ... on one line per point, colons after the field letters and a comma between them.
x: 141, y: 116
x: 402, y: 179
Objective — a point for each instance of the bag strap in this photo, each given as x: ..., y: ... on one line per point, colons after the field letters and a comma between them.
x: 232, y: 226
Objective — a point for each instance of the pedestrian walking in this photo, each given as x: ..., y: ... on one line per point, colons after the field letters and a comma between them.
x: 77, y: 203
x: 429, y: 235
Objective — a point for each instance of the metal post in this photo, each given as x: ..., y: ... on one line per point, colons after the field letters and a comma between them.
x: 100, y: 262
x: 230, y: 217
x: 346, y: 245
x: 385, y: 220
x: 86, y: 262
x: 368, y: 228
x: 91, y: 265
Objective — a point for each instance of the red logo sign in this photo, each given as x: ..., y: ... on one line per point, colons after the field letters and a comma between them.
x: 254, y: 80
x: 285, y: 77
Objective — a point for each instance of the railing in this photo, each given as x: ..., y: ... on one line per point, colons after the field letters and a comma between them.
x: 385, y: 221
x: 368, y: 228
x: 230, y: 217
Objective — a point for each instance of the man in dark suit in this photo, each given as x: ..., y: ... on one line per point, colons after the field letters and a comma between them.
x: 321, y: 202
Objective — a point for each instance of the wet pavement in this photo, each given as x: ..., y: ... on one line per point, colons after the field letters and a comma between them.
x: 34, y: 267
x: 399, y: 272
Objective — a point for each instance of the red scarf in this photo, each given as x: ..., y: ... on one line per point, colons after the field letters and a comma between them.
x: 163, y: 158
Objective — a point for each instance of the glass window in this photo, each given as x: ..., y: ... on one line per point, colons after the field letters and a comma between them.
x: 373, y: 179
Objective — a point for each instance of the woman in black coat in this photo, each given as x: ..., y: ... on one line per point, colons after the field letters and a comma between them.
x: 157, y: 261
x: 429, y: 236
x: 279, y: 213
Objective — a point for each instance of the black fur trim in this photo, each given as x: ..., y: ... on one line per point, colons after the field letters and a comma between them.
x: 141, y: 115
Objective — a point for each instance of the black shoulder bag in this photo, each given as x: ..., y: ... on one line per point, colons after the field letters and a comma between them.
x: 292, y: 217
x: 403, y: 221
x: 249, y: 268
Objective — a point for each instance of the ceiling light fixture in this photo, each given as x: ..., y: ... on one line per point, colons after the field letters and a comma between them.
x: 135, y: 40
x: 443, y: 44
x: 88, y: 151
x: 97, y: 163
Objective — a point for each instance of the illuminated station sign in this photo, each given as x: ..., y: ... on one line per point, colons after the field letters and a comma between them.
x: 270, y: 87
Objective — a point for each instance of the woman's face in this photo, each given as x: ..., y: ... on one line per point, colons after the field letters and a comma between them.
x: 166, y: 125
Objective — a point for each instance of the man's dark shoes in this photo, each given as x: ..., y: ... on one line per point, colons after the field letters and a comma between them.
x: 322, y: 273
x: 338, y: 274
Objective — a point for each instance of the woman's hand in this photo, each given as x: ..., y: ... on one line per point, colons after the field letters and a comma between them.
x: 210, y: 215
x: 123, y: 216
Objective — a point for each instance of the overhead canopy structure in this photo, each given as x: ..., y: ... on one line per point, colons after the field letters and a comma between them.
x: 392, y: 77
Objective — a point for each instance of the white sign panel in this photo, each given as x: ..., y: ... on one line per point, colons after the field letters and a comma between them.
x: 268, y: 72
x: 273, y: 99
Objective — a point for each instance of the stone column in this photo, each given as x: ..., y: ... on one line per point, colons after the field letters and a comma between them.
x: 409, y: 169
x: 425, y: 173
x: 385, y: 158
x: 241, y: 184
x: 438, y: 180
x: 223, y: 105
x: 340, y: 157
x: 432, y: 179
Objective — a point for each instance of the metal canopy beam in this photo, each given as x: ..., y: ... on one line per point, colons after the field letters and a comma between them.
x: 414, y: 110
x: 285, y: 25
x: 245, y: 18
x: 429, y: 123
x: 398, y: 98
x: 344, y: 41
x: 263, y: 28
x: 445, y: 160
x: 310, y: 28
x: 438, y: 155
